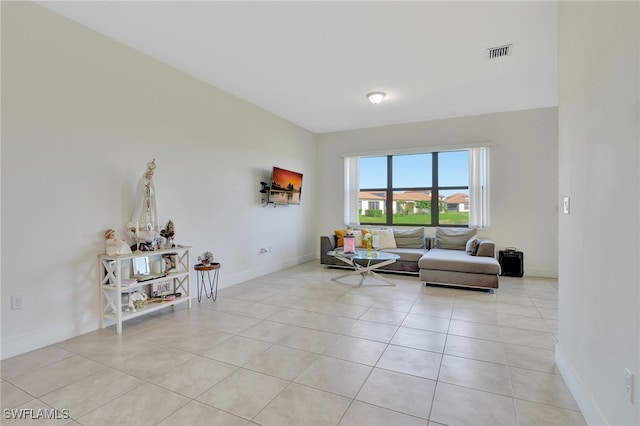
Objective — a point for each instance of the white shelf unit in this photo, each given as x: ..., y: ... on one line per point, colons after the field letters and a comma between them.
x: 111, y: 288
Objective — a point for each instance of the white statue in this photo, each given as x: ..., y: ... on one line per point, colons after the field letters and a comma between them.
x: 114, y: 246
x: 145, y: 216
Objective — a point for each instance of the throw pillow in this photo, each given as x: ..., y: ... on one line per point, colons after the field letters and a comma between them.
x: 340, y: 233
x: 385, y: 238
x: 360, y: 236
x: 409, y: 238
x: 453, y: 238
x: 472, y: 245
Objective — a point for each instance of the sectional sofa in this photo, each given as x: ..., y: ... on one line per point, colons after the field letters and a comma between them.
x: 453, y: 256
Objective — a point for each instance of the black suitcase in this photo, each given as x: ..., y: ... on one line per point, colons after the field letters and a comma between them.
x: 511, y: 262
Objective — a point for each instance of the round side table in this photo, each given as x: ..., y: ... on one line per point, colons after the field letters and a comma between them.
x: 213, y: 280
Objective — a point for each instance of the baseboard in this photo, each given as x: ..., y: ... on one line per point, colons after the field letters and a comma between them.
x: 541, y: 272
x: 26, y: 343
x: 18, y: 345
x: 590, y: 410
x: 272, y: 267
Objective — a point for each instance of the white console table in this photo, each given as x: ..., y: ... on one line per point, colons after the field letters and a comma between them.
x: 111, y: 288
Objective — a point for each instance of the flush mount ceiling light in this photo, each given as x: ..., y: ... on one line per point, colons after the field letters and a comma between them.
x: 376, y: 97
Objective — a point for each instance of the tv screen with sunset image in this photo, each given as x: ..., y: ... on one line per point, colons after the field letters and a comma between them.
x: 286, y: 186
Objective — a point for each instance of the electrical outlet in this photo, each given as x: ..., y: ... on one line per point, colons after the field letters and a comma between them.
x: 566, y: 205
x: 628, y: 385
x: 16, y: 302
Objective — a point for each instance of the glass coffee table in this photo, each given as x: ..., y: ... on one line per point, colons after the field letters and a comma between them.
x: 374, y: 260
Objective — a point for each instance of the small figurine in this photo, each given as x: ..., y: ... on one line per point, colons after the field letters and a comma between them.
x: 136, y: 300
x: 168, y: 232
x: 114, y: 246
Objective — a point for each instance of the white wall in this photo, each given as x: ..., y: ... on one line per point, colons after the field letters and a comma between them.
x: 81, y: 117
x: 524, y: 174
x: 599, y: 256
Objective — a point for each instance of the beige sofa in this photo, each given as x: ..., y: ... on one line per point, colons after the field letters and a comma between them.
x: 460, y: 258
x: 454, y: 256
x: 409, y: 244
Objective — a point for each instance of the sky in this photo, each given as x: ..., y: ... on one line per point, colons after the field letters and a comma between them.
x: 284, y: 177
x: 415, y: 170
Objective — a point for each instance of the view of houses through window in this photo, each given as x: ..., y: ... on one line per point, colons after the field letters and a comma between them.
x: 417, y: 189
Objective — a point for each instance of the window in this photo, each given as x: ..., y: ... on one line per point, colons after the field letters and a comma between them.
x: 429, y: 189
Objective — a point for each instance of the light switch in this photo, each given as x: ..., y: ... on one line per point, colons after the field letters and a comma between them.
x: 566, y: 205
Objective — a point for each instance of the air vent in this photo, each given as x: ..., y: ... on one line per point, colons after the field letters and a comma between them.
x: 500, y: 51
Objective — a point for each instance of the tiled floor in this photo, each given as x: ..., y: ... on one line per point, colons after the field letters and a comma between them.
x: 295, y: 348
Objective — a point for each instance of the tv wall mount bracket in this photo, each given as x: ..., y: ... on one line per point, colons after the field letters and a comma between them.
x: 265, y: 190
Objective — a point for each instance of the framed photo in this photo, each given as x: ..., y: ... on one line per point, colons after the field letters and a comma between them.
x: 161, y: 289
x: 170, y: 261
x: 141, y: 266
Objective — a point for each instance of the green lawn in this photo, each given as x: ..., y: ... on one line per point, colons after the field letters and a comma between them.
x: 447, y: 218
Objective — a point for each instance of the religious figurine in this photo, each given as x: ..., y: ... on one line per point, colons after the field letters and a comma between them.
x: 114, y: 246
x: 144, y: 223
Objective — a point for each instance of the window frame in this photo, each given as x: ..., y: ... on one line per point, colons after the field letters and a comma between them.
x: 434, y: 189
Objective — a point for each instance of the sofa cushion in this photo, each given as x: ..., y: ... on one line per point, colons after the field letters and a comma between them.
x: 409, y: 238
x: 472, y: 245
x: 453, y: 238
x: 407, y: 254
x: 340, y: 233
x: 386, y: 239
x: 458, y: 261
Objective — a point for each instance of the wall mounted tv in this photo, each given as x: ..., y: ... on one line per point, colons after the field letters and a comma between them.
x: 286, y: 186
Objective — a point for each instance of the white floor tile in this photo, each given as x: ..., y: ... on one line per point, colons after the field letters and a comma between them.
x: 294, y: 347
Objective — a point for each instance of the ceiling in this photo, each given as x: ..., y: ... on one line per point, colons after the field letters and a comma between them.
x: 312, y: 63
